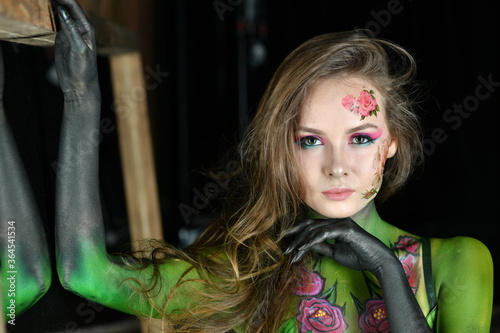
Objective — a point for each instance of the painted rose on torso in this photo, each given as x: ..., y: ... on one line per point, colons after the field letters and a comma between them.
x: 407, y: 251
x: 310, y: 284
x: 374, y: 319
x: 319, y: 315
x: 321, y: 311
x: 316, y: 313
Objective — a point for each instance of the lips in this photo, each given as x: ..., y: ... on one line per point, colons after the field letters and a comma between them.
x: 338, y: 193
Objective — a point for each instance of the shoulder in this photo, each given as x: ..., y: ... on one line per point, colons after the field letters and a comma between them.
x: 456, y: 248
x: 464, y: 257
x: 462, y: 268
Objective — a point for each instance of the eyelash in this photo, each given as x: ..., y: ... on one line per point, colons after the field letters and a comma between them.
x: 302, y: 142
x: 367, y: 140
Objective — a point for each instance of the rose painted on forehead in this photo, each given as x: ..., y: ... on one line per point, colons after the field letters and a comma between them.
x: 349, y: 103
x: 365, y: 105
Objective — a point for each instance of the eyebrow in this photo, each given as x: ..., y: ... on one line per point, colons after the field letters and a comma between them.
x: 349, y: 131
x: 311, y: 130
x: 361, y: 128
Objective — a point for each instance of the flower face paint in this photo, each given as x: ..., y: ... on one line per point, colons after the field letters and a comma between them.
x: 365, y: 105
x: 341, y: 160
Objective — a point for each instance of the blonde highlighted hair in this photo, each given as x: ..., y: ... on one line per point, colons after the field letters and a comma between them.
x: 239, y: 257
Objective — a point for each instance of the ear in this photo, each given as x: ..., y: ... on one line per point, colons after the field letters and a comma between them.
x: 393, y: 147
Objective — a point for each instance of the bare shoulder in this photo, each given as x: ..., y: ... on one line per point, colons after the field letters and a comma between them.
x: 460, y: 255
x: 462, y: 268
x: 459, y: 246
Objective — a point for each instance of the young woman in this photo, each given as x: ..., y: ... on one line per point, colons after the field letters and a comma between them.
x: 298, y: 245
x: 26, y: 272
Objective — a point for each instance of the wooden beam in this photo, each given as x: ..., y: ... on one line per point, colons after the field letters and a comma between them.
x: 27, y: 22
x: 32, y: 22
x: 136, y: 146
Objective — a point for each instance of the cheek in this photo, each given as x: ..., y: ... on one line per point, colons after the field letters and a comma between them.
x: 364, y: 161
x: 302, y: 167
x: 309, y: 170
x: 379, y: 163
x: 383, y: 151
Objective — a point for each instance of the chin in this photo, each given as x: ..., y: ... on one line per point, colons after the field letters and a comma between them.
x: 329, y: 214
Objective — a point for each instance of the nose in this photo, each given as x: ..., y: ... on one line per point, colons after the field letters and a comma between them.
x: 337, y: 164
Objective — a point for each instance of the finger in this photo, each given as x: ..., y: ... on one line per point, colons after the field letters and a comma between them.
x: 325, y: 249
x: 318, y: 235
x: 72, y: 14
x: 298, y: 256
x: 78, y: 14
x: 69, y: 28
x: 343, y: 230
x: 299, y: 227
x: 320, y: 231
x: 306, y: 231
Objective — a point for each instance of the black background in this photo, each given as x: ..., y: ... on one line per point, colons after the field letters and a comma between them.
x: 195, y: 119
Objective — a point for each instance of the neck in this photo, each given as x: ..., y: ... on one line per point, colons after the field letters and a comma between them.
x: 369, y: 219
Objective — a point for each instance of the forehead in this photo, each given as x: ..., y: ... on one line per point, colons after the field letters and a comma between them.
x: 348, y: 101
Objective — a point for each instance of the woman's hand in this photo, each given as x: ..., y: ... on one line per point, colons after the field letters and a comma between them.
x: 75, y: 50
x: 353, y: 247
x: 342, y: 240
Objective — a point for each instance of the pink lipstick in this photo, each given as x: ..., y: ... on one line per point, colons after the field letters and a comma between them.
x: 338, y: 193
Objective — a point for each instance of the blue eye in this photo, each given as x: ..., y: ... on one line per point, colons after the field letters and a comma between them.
x: 310, y: 141
x: 362, y: 140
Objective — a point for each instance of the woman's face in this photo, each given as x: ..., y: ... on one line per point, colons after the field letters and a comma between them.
x: 344, y: 142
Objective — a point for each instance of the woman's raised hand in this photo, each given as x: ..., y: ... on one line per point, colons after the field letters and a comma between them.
x: 75, y: 49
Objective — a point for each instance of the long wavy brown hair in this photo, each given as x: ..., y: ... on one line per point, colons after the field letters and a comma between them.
x: 244, y: 280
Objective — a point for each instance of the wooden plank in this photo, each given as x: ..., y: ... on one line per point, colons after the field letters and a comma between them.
x: 136, y: 146
x: 36, y: 12
x: 32, y: 22
x: 27, y: 22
